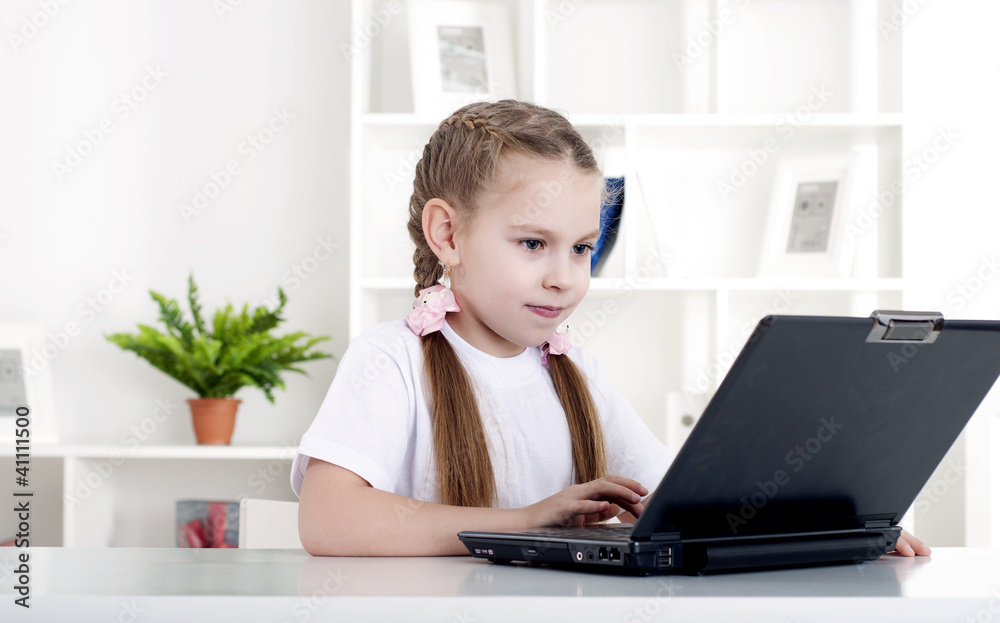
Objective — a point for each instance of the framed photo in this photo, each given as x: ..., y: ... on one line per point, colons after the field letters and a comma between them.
x: 460, y: 52
x: 25, y: 381
x: 805, y: 234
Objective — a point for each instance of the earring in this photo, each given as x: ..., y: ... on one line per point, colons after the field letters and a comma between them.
x: 445, y: 279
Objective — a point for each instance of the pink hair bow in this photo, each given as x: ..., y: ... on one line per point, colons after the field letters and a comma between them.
x: 558, y: 343
x: 429, y: 309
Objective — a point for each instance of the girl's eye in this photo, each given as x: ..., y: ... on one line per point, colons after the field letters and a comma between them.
x: 582, y: 249
x: 532, y: 245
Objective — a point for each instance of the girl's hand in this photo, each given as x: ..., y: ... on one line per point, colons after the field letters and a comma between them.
x: 909, y: 545
x: 589, y: 502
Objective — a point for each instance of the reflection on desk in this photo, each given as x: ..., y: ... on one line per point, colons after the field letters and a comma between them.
x: 473, y: 578
x: 289, y: 585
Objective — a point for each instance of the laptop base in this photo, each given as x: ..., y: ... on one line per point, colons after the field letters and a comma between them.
x: 692, y: 556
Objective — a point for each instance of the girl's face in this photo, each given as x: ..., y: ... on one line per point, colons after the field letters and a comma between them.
x: 524, y: 259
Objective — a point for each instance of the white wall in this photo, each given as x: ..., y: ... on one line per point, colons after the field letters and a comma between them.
x: 63, y: 238
x: 951, y: 235
x: 208, y: 79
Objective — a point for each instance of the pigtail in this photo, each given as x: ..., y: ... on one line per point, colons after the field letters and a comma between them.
x: 465, y: 472
x: 461, y: 453
x: 589, y: 456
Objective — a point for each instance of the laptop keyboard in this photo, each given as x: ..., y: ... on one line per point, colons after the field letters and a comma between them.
x: 598, y: 531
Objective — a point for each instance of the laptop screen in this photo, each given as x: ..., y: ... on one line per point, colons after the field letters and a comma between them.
x: 815, y: 427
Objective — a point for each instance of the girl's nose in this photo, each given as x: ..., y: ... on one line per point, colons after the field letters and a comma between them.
x: 559, y: 274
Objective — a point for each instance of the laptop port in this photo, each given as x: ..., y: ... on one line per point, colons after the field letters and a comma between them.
x: 615, y: 554
x: 579, y: 556
x: 665, y: 558
x: 602, y: 553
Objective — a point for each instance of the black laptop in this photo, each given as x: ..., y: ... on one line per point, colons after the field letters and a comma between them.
x: 817, y: 441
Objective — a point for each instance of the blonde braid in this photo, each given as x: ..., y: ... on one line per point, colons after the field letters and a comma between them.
x: 461, y: 160
x: 427, y: 269
x: 473, y: 122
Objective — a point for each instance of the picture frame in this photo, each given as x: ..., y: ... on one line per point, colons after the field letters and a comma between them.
x: 460, y: 52
x: 806, y: 222
x: 23, y: 383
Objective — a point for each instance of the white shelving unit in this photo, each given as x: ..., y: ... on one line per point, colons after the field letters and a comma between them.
x: 107, y: 498
x: 674, y: 127
x: 672, y: 96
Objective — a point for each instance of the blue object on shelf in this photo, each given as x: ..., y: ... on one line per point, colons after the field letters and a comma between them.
x: 611, y: 217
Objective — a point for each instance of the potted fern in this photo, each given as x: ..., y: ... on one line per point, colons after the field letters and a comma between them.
x: 237, y: 350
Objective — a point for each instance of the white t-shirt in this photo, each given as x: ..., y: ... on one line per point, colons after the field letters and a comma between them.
x: 374, y: 421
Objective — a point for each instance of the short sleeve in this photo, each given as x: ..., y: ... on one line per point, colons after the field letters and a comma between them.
x: 633, y: 450
x: 365, y: 423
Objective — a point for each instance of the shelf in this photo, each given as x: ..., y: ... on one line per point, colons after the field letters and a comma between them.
x: 159, y: 452
x: 785, y: 81
x: 608, y: 284
x: 603, y: 285
x: 753, y: 120
x: 768, y: 284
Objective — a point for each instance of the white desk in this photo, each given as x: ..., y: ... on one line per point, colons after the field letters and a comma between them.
x: 170, y: 585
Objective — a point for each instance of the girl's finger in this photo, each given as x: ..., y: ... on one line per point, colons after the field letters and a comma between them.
x: 613, y: 511
x: 915, y: 544
x: 903, y: 547
x: 625, y: 498
x: 590, y: 507
x: 627, y: 482
x: 608, y: 490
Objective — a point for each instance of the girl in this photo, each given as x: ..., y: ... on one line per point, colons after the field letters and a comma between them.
x: 474, y: 413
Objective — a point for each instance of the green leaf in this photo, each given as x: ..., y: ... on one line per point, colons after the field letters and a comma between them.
x: 199, y: 324
x: 240, y: 350
x: 170, y: 315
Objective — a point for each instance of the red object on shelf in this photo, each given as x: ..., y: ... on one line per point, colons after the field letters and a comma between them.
x: 193, y: 534
x: 207, y: 524
x: 216, y: 523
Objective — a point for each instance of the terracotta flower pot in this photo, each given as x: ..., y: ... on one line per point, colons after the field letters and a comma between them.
x: 213, y: 419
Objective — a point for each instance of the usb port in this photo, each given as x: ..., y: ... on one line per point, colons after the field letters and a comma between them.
x: 665, y: 558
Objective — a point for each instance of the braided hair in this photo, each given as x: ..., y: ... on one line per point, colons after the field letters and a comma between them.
x: 462, y: 159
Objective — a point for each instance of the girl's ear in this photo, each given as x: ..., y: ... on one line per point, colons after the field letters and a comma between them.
x: 438, y: 219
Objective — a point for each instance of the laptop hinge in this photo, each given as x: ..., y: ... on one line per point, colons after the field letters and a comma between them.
x: 877, y: 523
x: 665, y: 536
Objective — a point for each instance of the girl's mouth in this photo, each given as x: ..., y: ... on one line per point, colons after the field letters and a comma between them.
x: 546, y: 312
